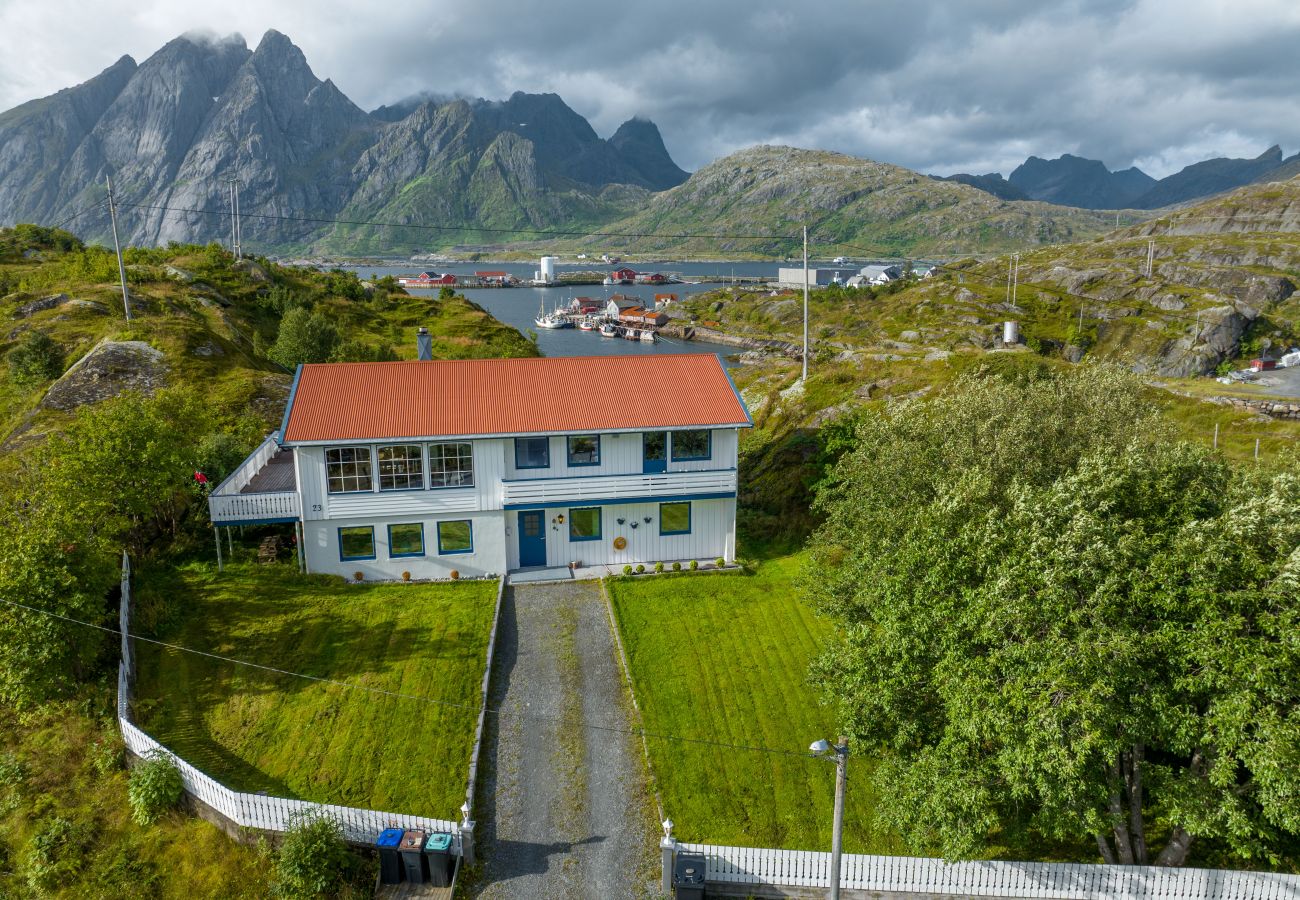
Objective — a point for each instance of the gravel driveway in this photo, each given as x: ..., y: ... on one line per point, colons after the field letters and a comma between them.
x: 564, y: 810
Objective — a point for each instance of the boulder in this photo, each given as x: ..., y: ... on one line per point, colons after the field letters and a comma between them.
x: 179, y: 274
x: 30, y: 309
x: 110, y: 368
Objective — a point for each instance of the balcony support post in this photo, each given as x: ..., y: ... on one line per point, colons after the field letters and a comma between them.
x: 216, y: 531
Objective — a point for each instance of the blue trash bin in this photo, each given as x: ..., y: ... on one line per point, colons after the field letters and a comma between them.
x: 390, y: 857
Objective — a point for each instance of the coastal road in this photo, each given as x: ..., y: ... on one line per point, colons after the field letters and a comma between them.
x: 564, y: 810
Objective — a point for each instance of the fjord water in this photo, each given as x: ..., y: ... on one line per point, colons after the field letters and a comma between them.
x: 516, y: 306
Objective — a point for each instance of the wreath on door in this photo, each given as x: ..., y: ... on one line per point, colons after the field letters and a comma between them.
x: 620, y: 543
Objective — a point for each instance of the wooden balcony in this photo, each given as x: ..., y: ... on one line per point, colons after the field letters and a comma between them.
x: 536, y: 492
x: 263, y: 489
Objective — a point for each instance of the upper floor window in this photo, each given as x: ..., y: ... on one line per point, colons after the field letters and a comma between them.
x: 401, y: 467
x: 584, y: 449
x: 451, y: 465
x: 347, y: 469
x: 688, y: 445
x: 532, y: 453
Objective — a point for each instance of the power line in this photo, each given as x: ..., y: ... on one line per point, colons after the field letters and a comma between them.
x: 496, y: 711
x: 81, y: 212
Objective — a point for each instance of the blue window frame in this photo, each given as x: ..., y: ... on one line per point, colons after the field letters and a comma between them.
x: 356, y: 542
x: 455, y: 536
x: 675, y: 518
x: 406, y: 539
x: 584, y: 449
x: 532, y: 453
x: 584, y: 523
x: 690, y: 445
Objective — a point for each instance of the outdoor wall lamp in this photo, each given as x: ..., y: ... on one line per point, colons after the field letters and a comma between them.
x: 560, y: 518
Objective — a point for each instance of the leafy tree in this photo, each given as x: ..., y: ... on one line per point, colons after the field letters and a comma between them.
x: 1057, y: 618
x: 36, y: 357
x: 305, y: 337
x: 359, y: 351
x: 313, y: 860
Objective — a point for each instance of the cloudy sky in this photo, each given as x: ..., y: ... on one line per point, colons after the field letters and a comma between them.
x: 972, y: 86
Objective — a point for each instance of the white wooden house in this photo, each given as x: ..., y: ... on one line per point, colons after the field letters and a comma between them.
x: 488, y: 466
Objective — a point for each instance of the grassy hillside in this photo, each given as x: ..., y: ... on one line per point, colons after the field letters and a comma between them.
x: 892, y: 210
x: 213, y: 319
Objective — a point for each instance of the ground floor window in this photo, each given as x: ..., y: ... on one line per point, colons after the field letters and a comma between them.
x: 456, y: 536
x: 357, y: 542
x: 674, y: 518
x: 406, y: 540
x: 584, y: 524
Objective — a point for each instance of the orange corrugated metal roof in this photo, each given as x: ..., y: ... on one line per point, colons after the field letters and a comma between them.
x: 450, y: 398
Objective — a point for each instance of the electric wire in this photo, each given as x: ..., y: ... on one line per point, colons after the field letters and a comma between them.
x: 496, y: 711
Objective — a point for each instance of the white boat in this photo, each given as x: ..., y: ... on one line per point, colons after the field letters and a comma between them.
x: 608, y: 330
x: 609, y: 281
x: 647, y: 336
x: 544, y: 319
x: 586, y: 325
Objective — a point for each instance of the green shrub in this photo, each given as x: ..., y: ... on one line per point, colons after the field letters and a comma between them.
x: 53, y: 857
x: 677, y: 567
x: 640, y: 569
x: 695, y: 564
x: 627, y: 570
x: 313, y: 860
x: 659, y: 567
x: 35, y: 358
x: 106, y: 755
x: 719, y: 562
x: 154, y: 788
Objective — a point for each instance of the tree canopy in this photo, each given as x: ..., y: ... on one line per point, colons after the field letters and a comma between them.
x: 1057, y: 618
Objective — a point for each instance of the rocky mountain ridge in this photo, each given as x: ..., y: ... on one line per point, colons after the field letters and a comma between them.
x: 174, y: 129
x: 1088, y: 184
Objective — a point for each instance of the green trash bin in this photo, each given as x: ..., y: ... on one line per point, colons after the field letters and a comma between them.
x: 437, y: 850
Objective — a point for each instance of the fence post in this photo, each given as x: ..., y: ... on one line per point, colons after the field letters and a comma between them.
x: 668, y: 848
x: 467, y: 840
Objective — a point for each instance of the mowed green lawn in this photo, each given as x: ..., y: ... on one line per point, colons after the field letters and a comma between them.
x: 725, y: 658
x: 260, y: 731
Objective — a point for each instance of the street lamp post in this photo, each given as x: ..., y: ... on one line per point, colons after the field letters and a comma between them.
x: 841, y: 758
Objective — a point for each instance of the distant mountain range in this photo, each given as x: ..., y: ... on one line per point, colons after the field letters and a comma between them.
x: 1088, y: 184
x: 172, y: 130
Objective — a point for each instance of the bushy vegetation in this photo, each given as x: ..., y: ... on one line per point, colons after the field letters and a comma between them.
x: 35, y: 358
x: 313, y: 860
x: 155, y: 787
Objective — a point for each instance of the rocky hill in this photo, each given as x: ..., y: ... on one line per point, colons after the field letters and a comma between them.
x: 885, y: 209
x: 172, y: 130
x: 1074, y: 181
x: 199, y: 319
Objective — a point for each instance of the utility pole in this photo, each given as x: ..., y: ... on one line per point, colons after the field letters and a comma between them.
x: 1151, y: 256
x: 1015, y: 279
x: 230, y: 199
x: 1216, y: 435
x: 117, y: 247
x: 805, y: 304
x: 239, y: 225
x: 841, y: 779
x: 1008, y: 281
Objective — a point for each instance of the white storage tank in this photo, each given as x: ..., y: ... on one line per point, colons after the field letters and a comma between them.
x: 1010, y: 333
x: 547, y: 272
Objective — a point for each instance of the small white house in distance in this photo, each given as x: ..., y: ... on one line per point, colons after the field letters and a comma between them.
x: 491, y: 465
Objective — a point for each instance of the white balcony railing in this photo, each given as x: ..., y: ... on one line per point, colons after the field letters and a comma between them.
x: 251, y: 507
x: 536, y: 491
x: 237, y: 480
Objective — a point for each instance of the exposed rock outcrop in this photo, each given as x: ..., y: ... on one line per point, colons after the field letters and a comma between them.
x: 110, y: 368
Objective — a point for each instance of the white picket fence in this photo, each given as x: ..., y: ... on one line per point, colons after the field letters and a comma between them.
x: 1063, y: 881
x: 361, y: 826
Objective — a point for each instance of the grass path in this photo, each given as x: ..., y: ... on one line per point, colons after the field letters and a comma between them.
x: 725, y: 658
x: 255, y: 730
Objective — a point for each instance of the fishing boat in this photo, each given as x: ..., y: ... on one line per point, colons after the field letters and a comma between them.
x: 608, y: 330
x: 586, y: 325
x: 647, y: 336
x: 544, y: 319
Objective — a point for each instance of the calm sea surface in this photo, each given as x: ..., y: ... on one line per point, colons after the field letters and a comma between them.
x: 516, y: 306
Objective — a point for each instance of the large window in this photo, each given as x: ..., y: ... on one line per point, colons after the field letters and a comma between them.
x: 347, y: 469
x: 357, y: 542
x: 406, y: 540
x: 532, y: 453
x: 456, y: 536
x: 401, y: 467
x: 451, y: 465
x: 674, y: 518
x: 584, y: 524
x: 584, y: 449
x: 688, y: 445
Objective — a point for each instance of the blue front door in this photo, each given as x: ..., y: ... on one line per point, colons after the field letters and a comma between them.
x: 532, y: 538
x: 654, y: 452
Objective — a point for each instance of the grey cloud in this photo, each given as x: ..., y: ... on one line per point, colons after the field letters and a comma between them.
x: 936, y: 86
